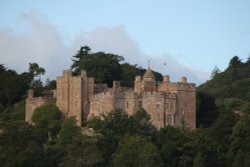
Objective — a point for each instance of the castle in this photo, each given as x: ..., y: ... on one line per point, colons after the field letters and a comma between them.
x: 78, y: 96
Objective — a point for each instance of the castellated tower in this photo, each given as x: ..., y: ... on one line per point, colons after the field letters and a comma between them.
x: 167, y: 103
x: 73, y: 95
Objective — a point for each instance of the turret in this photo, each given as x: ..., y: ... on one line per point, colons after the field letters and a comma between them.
x: 166, y: 78
x: 116, y: 86
x: 30, y: 94
x: 184, y: 80
x: 149, y: 75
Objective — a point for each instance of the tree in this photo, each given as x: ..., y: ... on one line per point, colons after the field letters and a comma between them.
x: 139, y: 124
x: 206, y: 109
x: 235, y: 62
x: 48, y: 116
x: 135, y: 151
x: 82, y: 151
x: 128, y: 73
x: 13, y: 86
x: 35, y: 70
x: 200, y: 150
x: 215, y: 72
x: 21, y: 144
x: 104, y: 67
x: 68, y: 131
x: 240, y: 142
x: 169, y: 139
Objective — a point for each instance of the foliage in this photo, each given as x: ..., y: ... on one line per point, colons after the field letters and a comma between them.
x: 48, y: 116
x: 128, y: 74
x: 68, y: 131
x: 21, y: 144
x: 13, y: 113
x: 107, y: 67
x: 135, y: 151
x: 206, y: 109
x: 13, y: 87
x: 222, y: 129
x: 35, y: 70
x: 104, y: 67
x: 115, y: 125
x: 82, y: 151
x: 215, y: 72
x: 169, y: 139
x: 234, y: 82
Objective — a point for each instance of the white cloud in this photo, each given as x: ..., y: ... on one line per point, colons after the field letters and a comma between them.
x: 43, y: 43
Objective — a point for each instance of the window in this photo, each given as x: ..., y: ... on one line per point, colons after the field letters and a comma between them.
x: 169, y: 119
x: 171, y: 106
x: 139, y: 104
x: 167, y: 106
x: 158, y: 116
x: 127, y: 105
x: 185, y: 104
x: 158, y: 106
x: 76, y: 103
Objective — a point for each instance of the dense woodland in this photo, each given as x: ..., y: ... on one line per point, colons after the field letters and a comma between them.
x: 222, y: 137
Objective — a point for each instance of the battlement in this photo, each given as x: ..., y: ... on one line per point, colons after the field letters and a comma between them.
x: 166, y: 102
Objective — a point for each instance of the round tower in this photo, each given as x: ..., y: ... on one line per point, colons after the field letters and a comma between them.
x: 149, y: 75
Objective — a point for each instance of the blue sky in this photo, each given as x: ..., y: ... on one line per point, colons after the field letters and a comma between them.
x: 191, y: 36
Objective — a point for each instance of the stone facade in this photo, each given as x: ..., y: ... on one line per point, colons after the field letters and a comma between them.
x: 34, y: 102
x: 167, y: 103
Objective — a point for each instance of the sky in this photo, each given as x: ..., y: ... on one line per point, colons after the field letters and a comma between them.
x: 192, y: 36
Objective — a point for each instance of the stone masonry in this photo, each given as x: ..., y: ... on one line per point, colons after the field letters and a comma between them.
x: 167, y: 103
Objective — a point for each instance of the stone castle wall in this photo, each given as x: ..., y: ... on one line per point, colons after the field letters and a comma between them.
x: 167, y: 103
x: 33, y: 102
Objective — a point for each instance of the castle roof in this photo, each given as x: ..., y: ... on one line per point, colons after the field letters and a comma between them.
x: 149, y: 75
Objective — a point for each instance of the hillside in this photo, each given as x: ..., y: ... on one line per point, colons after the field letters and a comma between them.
x: 234, y: 82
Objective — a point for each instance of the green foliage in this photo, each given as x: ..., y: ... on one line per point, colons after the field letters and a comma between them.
x: 21, y: 145
x: 68, y: 131
x: 48, y: 116
x: 104, y: 67
x: 82, y: 151
x: 115, y: 125
x: 135, y: 151
x: 35, y: 70
x: 13, y: 113
x: 223, y: 128
x: 139, y: 124
x: 240, y: 139
x: 206, y: 110
x: 234, y: 82
x: 13, y: 87
x: 215, y: 72
x: 169, y: 139
x: 128, y: 74
x: 53, y: 155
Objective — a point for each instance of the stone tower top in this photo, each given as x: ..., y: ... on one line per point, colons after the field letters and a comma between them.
x: 149, y: 75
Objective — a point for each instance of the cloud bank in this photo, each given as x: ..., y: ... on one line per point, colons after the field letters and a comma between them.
x: 42, y: 42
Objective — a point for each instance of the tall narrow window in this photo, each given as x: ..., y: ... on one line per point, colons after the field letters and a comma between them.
x: 171, y: 106
x: 139, y: 104
x: 169, y: 119
x: 76, y: 103
x: 158, y: 116
x: 167, y: 106
x: 127, y: 105
x: 158, y: 106
x: 185, y: 104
